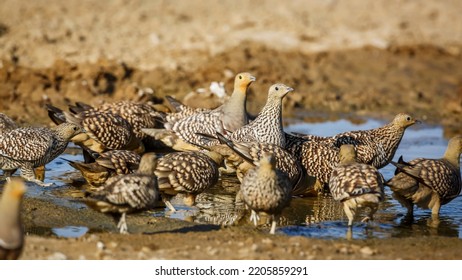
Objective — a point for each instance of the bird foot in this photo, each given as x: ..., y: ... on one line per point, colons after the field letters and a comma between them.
x: 366, y: 219
x: 122, y: 225
x: 40, y: 183
x: 254, y: 217
x: 273, y: 227
x: 170, y: 206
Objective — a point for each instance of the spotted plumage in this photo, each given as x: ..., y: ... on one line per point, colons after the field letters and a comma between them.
x: 108, y: 164
x: 243, y: 156
x: 317, y: 158
x: 429, y: 183
x: 11, y: 227
x: 128, y: 193
x: 267, y: 127
x: 26, y: 148
x: 103, y: 130
x: 266, y: 189
x: 356, y: 185
x: 228, y: 117
x: 138, y: 115
x: 189, y: 173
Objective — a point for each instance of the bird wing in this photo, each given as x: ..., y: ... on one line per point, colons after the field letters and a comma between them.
x: 26, y: 144
x: 188, y: 172
x: 352, y: 180
x: 111, y: 130
x: 135, y: 190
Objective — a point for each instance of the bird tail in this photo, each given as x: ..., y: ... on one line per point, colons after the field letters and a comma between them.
x: 408, y: 169
x: 55, y: 114
x: 79, y: 107
x: 174, y: 104
x: 232, y: 146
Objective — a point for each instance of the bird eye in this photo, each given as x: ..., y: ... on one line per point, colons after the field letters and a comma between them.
x: 408, y: 118
x: 240, y: 77
x: 75, y: 128
x: 276, y: 88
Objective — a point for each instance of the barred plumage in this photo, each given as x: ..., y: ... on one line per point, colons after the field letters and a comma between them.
x: 11, y: 228
x: 108, y: 164
x: 356, y: 185
x: 228, y: 117
x: 128, y: 193
x: 266, y: 189
x: 189, y: 173
x: 245, y: 155
x: 30, y: 147
x: 375, y: 146
x: 429, y: 183
x: 267, y: 127
x: 179, y: 112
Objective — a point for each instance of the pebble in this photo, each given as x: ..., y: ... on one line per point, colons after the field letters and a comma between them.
x: 57, y: 256
x: 255, y: 247
x: 100, y: 246
x: 367, y: 251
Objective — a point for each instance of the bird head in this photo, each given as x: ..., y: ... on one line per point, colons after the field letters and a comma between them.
x: 242, y: 81
x: 404, y: 120
x: 68, y: 130
x: 279, y: 91
x: 347, y: 154
x: 148, y: 164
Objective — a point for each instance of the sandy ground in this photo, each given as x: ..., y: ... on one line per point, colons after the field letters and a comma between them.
x: 373, y: 58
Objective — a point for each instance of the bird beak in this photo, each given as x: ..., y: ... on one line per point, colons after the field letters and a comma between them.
x: 252, y: 79
x: 417, y: 121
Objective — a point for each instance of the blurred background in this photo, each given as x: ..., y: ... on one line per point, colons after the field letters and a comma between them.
x: 357, y: 57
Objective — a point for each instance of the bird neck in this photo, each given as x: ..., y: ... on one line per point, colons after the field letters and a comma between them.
x: 271, y: 112
x: 453, y: 156
x: 235, y: 107
x: 389, y: 136
x: 266, y: 170
x: 347, y: 159
x: 146, y: 168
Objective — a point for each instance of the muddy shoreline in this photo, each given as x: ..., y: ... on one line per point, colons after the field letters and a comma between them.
x: 165, y: 238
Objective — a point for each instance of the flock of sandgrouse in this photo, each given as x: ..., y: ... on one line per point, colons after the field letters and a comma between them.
x: 273, y: 166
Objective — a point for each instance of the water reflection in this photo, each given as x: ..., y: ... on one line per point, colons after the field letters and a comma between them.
x: 70, y: 231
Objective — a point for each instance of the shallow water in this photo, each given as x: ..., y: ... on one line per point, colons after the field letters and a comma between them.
x: 319, y: 217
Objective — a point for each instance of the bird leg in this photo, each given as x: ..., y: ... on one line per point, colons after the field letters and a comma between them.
x: 370, y: 215
x: 168, y: 204
x: 350, y: 213
x: 349, y: 234
x: 27, y: 172
x: 436, y: 208
x: 122, y: 225
x: 273, y: 224
x: 40, y: 173
x: 254, y: 217
x: 189, y: 199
